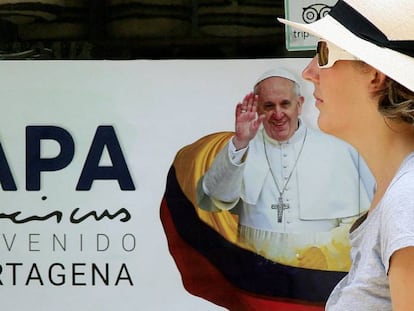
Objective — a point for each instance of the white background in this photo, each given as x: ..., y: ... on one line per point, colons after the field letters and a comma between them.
x: 156, y: 108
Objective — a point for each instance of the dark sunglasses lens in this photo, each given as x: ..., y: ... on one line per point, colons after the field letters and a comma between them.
x: 323, y: 53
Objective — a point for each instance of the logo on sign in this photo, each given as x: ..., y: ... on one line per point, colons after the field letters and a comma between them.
x: 304, y: 11
x: 314, y: 12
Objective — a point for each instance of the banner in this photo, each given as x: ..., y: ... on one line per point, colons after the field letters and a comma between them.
x: 86, y: 148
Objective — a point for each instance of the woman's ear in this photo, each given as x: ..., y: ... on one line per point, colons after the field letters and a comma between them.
x: 377, y: 82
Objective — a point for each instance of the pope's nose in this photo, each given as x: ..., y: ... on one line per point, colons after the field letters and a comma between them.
x: 277, y: 114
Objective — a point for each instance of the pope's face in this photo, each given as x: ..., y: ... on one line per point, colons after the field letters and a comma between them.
x: 280, y: 105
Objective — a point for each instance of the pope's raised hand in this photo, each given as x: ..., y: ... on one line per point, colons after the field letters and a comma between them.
x: 247, y: 121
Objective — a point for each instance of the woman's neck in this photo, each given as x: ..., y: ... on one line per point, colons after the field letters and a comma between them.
x: 384, y: 149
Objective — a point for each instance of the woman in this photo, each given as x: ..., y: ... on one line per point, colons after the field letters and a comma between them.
x: 364, y: 89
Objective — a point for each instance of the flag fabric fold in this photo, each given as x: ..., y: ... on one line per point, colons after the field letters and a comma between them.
x: 211, y: 262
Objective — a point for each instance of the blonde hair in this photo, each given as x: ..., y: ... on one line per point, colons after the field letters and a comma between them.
x: 397, y: 102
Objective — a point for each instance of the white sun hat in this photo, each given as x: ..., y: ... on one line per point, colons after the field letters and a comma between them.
x: 378, y: 32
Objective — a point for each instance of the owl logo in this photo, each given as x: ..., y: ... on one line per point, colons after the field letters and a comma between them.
x: 315, y: 12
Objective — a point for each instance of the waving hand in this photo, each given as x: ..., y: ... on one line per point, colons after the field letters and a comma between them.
x: 247, y: 121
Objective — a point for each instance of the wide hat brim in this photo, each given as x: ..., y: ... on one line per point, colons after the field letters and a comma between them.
x: 397, y: 66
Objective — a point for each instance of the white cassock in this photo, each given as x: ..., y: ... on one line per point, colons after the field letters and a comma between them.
x: 329, y: 185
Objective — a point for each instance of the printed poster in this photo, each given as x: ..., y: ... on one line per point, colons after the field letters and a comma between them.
x: 86, y: 151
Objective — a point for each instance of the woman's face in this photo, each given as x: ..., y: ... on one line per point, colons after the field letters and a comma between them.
x: 340, y: 93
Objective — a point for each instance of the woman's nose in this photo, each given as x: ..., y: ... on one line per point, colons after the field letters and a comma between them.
x: 311, y: 71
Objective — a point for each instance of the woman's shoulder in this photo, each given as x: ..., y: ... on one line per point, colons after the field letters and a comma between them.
x: 399, y: 198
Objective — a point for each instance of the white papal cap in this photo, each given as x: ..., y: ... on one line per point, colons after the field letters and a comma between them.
x: 278, y: 72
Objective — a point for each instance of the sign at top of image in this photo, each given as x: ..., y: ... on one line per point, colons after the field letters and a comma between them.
x: 304, y: 11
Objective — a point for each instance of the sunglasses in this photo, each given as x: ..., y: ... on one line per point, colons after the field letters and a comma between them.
x: 328, y: 53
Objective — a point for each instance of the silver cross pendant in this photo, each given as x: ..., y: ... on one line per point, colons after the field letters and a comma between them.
x: 280, y: 207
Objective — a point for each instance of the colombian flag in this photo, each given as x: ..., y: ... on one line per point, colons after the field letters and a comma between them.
x: 212, y: 263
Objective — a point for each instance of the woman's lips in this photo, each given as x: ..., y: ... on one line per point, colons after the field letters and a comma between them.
x: 318, y: 100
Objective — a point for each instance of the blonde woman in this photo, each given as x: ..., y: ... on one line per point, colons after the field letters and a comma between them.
x: 363, y: 75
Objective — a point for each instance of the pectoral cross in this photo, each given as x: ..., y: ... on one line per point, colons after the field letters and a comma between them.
x: 280, y: 206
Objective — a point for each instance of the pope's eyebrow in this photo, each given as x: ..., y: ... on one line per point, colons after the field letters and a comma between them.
x: 269, y: 103
x: 285, y: 102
